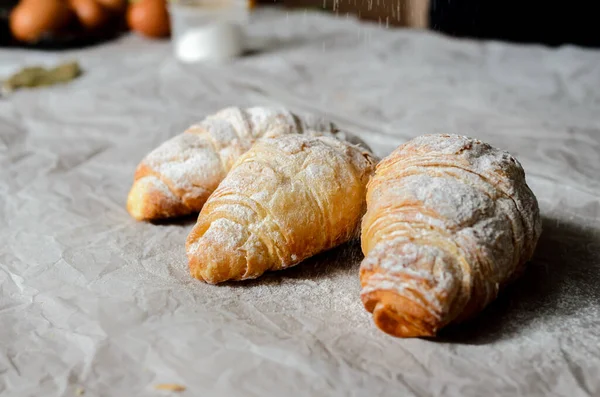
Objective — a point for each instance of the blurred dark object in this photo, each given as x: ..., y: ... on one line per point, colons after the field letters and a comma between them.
x: 73, y: 37
x: 533, y: 21
x: 5, y: 7
x: 407, y: 13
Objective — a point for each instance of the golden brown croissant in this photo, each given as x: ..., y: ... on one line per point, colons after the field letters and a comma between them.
x: 286, y: 199
x: 176, y: 178
x: 450, y: 220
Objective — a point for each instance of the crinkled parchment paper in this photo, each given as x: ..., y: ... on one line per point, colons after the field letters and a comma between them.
x: 93, y: 302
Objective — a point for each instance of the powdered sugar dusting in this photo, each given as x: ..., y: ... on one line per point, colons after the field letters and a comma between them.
x: 452, y: 207
x: 154, y: 185
x: 192, y: 164
x: 187, y: 160
x: 221, y: 227
x: 413, y: 271
x: 268, y: 120
x: 295, y: 196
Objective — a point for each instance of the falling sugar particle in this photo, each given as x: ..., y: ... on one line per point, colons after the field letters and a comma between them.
x: 369, y: 5
x: 387, y: 22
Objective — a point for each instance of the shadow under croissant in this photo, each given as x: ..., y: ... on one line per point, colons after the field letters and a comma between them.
x: 187, y: 220
x: 562, y: 279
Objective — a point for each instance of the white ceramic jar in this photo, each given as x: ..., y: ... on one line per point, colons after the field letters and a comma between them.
x: 208, y: 30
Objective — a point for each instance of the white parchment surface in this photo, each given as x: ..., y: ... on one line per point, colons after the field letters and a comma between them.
x: 93, y: 302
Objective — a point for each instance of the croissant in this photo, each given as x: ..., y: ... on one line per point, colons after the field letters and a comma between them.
x: 450, y: 221
x: 176, y: 178
x: 286, y: 199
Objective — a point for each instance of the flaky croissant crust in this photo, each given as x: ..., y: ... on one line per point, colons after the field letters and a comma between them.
x: 450, y: 220
x: 176, y: 178
x: 286, y: 199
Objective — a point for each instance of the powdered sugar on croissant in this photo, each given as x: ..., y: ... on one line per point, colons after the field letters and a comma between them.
x: 177, y: 177
x: 286, y: 199
x: 450, y: 221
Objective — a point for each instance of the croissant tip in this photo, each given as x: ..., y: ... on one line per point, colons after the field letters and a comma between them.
x: 400, y: 325
x: 149, y: 199
x: 198, y: 276
x: 197, y: 262
x: 196, y: 273
x: 134, y: 208
x: 398, y: 316
x: 193, y: 264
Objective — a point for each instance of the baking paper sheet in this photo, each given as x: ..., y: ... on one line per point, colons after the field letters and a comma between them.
x: 93, y: 302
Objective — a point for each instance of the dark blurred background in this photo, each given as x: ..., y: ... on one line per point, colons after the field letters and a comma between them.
x: 547, y: 22
x: 529, y: 21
